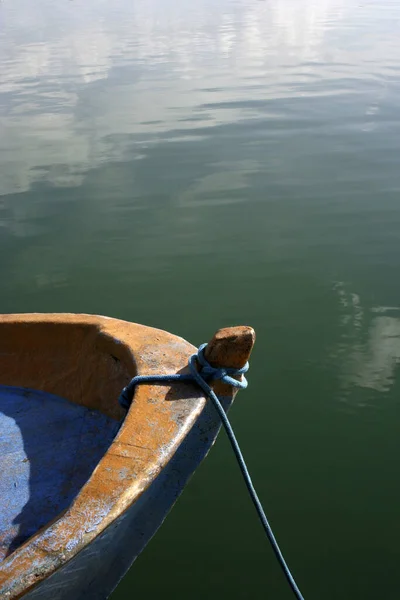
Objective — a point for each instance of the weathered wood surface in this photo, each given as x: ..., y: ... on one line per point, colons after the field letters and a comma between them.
x: 95, y: 572
x: 166, y: 433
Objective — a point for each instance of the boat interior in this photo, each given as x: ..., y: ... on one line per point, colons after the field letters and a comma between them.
x: 59, y: 413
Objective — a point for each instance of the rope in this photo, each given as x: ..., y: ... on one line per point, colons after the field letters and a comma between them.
x: 206, y: 374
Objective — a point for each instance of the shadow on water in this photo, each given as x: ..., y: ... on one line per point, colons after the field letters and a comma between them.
x: 49, y: 448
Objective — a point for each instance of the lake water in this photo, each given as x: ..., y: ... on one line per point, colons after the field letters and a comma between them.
x: 191, y: 165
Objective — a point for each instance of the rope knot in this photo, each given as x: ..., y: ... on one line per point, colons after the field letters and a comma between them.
x: 202, y: 376
x: 209, y: 373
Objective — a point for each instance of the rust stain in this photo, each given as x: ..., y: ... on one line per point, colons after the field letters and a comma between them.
x: 88, y: 359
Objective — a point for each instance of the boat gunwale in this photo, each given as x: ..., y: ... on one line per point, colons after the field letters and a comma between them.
x: 158, y: 427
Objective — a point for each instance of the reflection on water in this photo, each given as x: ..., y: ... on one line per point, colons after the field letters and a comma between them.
x: 370, y: 343
x: 61, y: 117
x: 382, y: 354
x: 191, y: 165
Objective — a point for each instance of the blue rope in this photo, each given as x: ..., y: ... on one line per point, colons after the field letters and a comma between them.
x: 206, y: 374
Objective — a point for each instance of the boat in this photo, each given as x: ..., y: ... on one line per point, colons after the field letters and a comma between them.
x: 84, y: 483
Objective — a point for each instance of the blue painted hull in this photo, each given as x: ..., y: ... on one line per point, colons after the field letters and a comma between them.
x: 95, y: 571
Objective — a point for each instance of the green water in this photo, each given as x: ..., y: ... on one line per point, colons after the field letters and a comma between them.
x: 190, y: 165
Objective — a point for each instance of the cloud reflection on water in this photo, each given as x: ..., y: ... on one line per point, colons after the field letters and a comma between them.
x: 370, y: 343
x: 87, y: 72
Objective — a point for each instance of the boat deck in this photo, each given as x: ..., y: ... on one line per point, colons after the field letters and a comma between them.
x: 49, y: 448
